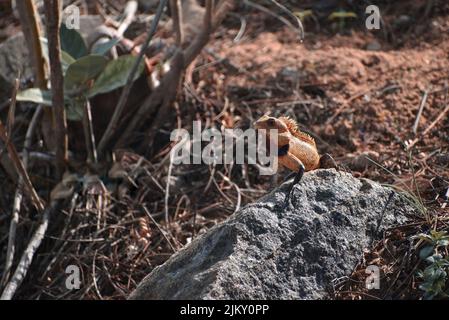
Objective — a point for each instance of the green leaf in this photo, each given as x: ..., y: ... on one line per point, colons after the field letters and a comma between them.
x: 420, y: 274
x: 115, y: 75
x: 424, y: 237
x: 104, y: 48
x: 443, y: 243
x: 425, y: 252
x: 35, y: 95
x: 75, y: 110
x: 72, y: 42
x: 83, y: 70
x: 66, y: 59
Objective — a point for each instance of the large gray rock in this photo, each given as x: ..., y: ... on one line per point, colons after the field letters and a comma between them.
x: 268, y: 252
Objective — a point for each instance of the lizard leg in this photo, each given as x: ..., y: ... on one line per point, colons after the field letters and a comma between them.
x: 298, y: 178
x: 294, y: 162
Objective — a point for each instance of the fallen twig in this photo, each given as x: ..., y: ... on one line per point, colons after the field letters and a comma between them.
x: 27, y: 256
x: 158, y: 227
x: 429, y: 128
x: 420, y: 110
x: 18, y: 197
x: 298, y: 21
x: 89, y: 135
x: 18, y: 164
x: 280, y: 18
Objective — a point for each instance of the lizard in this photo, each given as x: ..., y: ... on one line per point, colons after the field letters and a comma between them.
x: 297, y: 150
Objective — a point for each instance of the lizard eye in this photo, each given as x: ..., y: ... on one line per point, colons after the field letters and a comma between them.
x: 270, y: 122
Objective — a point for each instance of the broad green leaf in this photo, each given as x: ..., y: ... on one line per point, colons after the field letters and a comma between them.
x: 104, y: 48
x: 72, y: 42
x: 115, y: 75
x: 425, y: 252
x: 66, y: 59
x: 83, y: 70
x: 35, y: 95
x: 75, y: 110
x: 443, y: 243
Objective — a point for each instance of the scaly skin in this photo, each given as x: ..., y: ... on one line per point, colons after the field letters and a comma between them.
x: 296, y: 149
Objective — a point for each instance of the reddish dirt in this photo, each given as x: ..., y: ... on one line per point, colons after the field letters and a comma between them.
x: 352, y: 99
x: 358, y: 101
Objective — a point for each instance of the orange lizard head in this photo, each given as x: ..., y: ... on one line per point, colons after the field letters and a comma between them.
x: 266, y: 122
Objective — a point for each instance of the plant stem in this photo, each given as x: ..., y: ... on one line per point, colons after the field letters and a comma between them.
x: 52, y: 13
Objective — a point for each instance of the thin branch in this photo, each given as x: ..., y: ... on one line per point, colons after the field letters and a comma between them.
x: 12, y: 108
x: 128, y: 17
x: 27, y: 257
x: 279, y: 17
x: 176, y: 14
x: 159, y: 227
x: 112, y: 126
x: 29, y: 19
x: 18, y: 164
x: 167, y: 190
x: 19, y: 195
x: 89, y: 136
x: 430, y: 127
x: 420, y: 110
x: 162, y: 97
x: 52, y: 13
x: 298, y: 21
x: 203, y: 37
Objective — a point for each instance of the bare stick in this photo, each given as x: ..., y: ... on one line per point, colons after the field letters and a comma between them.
x: 163, y: 95
x: 18, y: 197
x: 112, y: 126
x: 203, y: 37
x: 14, y: 156
x: 29, y: 19
x: 212, y: 20
x: 129, y: 14
x: 420, y: 110
x: 298, y: 21
x: 12, y: 108
x: 52, y: 12
x: 159, y: 227
x: 167, y: 190
x: 430, y: 127
x: 280, y: 18
x: 176, y: 14
x: 89, y: 133
x: 27, y: 257
x: 155, y: 105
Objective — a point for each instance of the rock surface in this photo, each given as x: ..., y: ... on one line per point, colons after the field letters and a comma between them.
x: 268, y: 252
